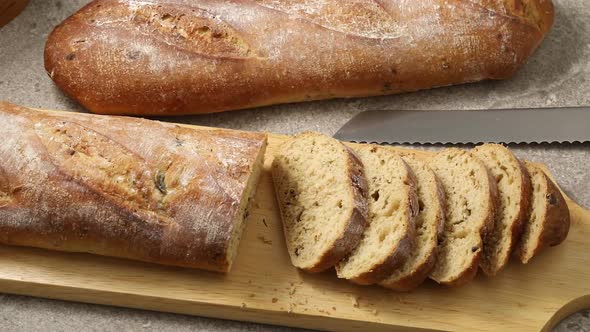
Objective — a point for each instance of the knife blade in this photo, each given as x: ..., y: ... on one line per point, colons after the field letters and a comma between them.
x: 526, y: 125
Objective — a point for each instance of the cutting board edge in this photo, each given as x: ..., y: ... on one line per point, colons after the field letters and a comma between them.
x: 568, y: 309
x: 192, y: 308
x: 87, y: 295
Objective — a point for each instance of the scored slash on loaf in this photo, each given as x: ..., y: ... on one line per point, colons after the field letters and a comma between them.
x: 443, y: 217
x: 125, y: 187
x: 174, y: 57
x: 178, y: 196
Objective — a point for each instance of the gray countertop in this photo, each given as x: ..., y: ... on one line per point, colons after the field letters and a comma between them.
x: 557, y: 75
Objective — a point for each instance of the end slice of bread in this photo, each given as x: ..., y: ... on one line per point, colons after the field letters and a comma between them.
x: 429, y: 226
x: 471, y: 197
x: 393, y: 204
x: 549, y: 219
x: 514, y: 189
x: 322, y: 194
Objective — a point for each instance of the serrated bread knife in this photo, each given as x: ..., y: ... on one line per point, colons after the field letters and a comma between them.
x: 531, y: 125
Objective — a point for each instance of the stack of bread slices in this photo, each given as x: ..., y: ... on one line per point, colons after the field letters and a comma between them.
x: 380, y: 216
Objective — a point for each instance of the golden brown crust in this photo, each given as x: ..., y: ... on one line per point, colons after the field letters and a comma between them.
x: 421, y: 272
x: 557, y: 226
x: 495, y: 202
x: 487, y: 227
x: 516, y: 224
x: 485, y: 231
x: 525, y: 205
x: 403, y: 250
x: 465, y: 276
x: 412, y: 281
x: 352, y: 234
x: 556, y: 219
x: 182, y: 57
x: 123, y: 187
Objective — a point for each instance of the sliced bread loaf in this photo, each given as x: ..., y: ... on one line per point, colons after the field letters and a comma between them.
x: 549, y: 219
x: 471, y: 197
x: 393, y: 203
x: 429, y: 225
x: 322, y: 195
x: 514, y: 190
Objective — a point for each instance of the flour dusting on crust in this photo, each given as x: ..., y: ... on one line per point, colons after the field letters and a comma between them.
x: 123, y: 187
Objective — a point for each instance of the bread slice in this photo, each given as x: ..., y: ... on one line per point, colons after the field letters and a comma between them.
x: 549, y: 219
x: 393, y: 205
x: 429, y: 226
x: 469, y: 212
x: 322, y: 194
x: 514, y: 189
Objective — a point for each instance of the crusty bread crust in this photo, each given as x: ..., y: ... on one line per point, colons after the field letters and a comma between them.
x: 186, y: 57
x: 488, y: 225
x: 525, y: 206
x: 354, y: 224
x: 401, y: 252
x: 392, y: 262
x: 517, y: 222
x: 421, y: 271
x: 486, y: 231
x: 556, y: 224
x: 351, y: 235
x: 124, y: 187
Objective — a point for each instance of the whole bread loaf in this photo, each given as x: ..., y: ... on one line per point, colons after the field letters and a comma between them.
x: 125, y: 187
x: 200, y: 56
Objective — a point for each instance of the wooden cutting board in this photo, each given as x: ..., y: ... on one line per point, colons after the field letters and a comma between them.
x: 264, y: 287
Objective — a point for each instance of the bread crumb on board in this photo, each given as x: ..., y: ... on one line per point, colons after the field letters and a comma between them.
x: 355, y: 301
x: 275, y: 300
x: 264, y: 240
